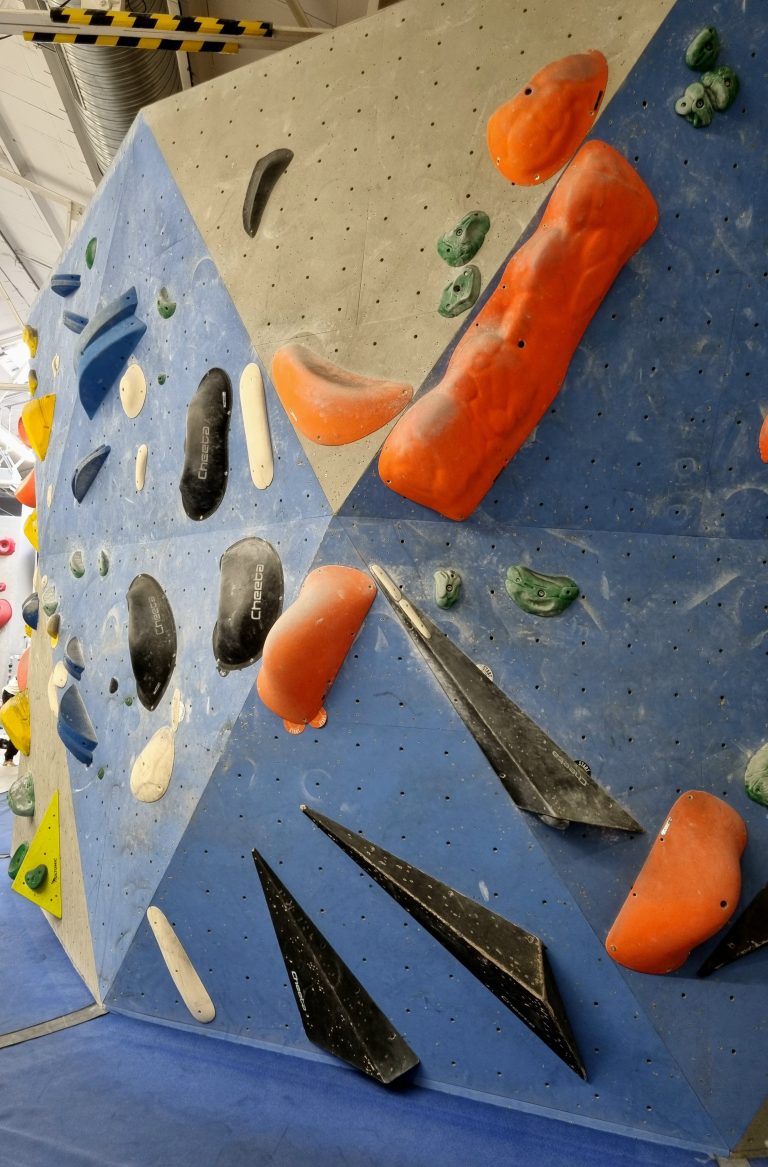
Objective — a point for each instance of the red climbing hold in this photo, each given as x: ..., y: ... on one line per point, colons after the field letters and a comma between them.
x: 763, y: 440
x: 7, y: 546
x: 6, y: 611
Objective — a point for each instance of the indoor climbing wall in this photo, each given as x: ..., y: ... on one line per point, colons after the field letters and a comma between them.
x: 642, y: 483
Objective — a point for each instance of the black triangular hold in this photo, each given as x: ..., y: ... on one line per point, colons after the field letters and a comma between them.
x: 336, y: 1011
x: 748, y: 934
x: 509, y: 961
x: 538, y: 775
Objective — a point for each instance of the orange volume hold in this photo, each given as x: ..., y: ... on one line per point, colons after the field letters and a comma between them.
x: 306, y: 646
x: 534, y: 134
x: 687, y: 889
x: 27, y: 492
x: 329, y: 405
x: 506, y: 370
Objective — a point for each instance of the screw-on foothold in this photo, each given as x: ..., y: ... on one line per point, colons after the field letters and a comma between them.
x: 702, y: 51
x: 36, y: 876
x: 165, y: 305
x: 458, y: 246
x: 90, y: 252
x: 460, y: 294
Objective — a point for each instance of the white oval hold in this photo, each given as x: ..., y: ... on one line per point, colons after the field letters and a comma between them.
x: 151, y: 773
x: 253, y: 405
x: 133, y: 390
x: 55, y: 363
x: 141, y: 466
x: 49, y: 494
x: 183, y: 974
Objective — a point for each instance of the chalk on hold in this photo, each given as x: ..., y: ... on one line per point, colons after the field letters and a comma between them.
x: 74, y: 322
x: 463, y: 241
x: 140, y: 472
x: 687, y: 889
x: 183, y: 974
x: 105, y: 346
x: 540, y: 594
x: 17, y: 859
x: 250, y: 601
x: 450, y: 446
x: 65, y: 283
x: 74, y: 659
x: 258, y: 441
x: 756, y: 776
x: 30, y: 610
x: 103, y: 562
x: 265, y: 174
x: 7, y: 546
x: 77, y: 564
x: 151, y: 639
x: 21, y: 796
x: 86, y: 471
x: 165, y: 305
x: 37, y: 416
x: 30, y: 530
x: 307, y: 645
x: 27, y: 492
x: 447, y: 587
x: 330, y: 405
x: 206, y: 448
x: 461, y: 293
x: 133, y: 390
x: 152, y: 770
x: 90, y: 252
x: 534, y: 134
x: 14, y: 717
x: 75, y: 727
x: 49, y: 598
x: 29, y: 337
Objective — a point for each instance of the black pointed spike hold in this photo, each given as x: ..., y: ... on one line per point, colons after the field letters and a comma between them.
x: 336, y: 1011
x: 537, y: 774
x: 250, y: 601
x: 206, y: 448
x: 151, y: 639
x: 748, y: 934
x: 265, y: 174
x: 509, y: 961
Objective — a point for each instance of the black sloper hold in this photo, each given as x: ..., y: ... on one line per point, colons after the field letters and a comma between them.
x: 151, y: 639
x: 250, y: 600
x: 206, y: 447
x: 265, y: 174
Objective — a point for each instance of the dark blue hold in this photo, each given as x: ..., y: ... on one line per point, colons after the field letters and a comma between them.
x: 65, y: 283
x: 87, y: 470
x: 74, y: 660
x: 30, y: 610
x: 107, y: 317
x: 102, y: 362
x: 75, y: 728
x: 74, y: 322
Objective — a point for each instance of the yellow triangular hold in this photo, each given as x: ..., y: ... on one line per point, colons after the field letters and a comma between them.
x: 29, y: 336
x: 32, y: 382
x: 30, y: 530
x: 37, y: 418
x: 44, y: 848
x: 14, y: 718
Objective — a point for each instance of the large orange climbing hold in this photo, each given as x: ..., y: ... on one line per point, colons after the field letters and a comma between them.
x: 503, y: 375
x: 534, y: 134
x: 330, y: 405
x: 27, y: 492
x: 306, y: 646
x: 687, y: 889
x: 763, y: 439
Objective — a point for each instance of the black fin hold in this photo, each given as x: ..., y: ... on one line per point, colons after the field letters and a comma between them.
x: 538, y: 775
x: 206, y: 448
x: 509, y: 961
x: 336, y: 1011
x: 75, y: 727
x: 86, y: 470
x: 151, y: 639
x: 250, y: 600
x: 265, y: 174
x: 30, y: 610
x: 748, y: 934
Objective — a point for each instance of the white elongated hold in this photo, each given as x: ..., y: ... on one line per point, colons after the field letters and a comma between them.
x: 133, y: 390
x: 57, y: 680
x: 55, y: 363
x: 141, y: 466
x: 49, y: 494
x: 151, y: 772
x: 258, y: 441
x: 183, y: 974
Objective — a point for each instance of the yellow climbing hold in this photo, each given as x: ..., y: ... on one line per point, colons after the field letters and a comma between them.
x: 45, y: 849
x: 29, y: 336
x: 14, y: 717
x: 32, y: 382
x: 37, y: 416
x: 30, y: 530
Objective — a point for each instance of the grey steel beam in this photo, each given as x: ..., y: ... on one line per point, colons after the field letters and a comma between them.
x: 18, y: 166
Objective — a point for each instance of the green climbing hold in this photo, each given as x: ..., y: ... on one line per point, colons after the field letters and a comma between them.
x: 17, y: 859
x: 36, y: 876
x: 100, y: 772
x: 447, y: 587
x: 461, y: 293
x: 458, y: 246
x: 165, y: 305
x: 128, y: 701
x: 103, y: 562
x: 702, y: 52
x: 50, y: 599
x: 21, y: 796
x: 539, y: 594
x: 161, y: 378
x: 77, y: 564
x: 722, y: 86
x: 695, y: 105
x: 715, y: 91
x: 90, y: 253
x: 756, y: 776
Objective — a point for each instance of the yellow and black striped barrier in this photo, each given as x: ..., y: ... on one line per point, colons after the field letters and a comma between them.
x: 130, y: 42
x: 161, y: 22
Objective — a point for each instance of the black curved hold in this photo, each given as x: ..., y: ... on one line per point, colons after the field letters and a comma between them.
x: 250, y: 600
x: 265, y: 174
x: 336, y: 1011
x: 748, y: 934
x: 30, y: 610
x: 75, y: 727
x: 86, y: 470
x: 509, y: 961
x: 151, y: 639
x: 206, y: 448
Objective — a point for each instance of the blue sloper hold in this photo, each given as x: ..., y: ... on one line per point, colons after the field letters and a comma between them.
x: 102, y: 362
x: 108, y: 316
x: 65, y: 283
x: 75, y: 728
x: 30, y: 610
x: 87, y: 470
x: 74, y: 322
x: 74, y: 660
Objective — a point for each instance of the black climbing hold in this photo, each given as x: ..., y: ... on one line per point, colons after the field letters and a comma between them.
x: 151, y: 639
x: 113, y: 686
x: 748, y: 934
x: 74, y: 322
x: 74, y: 659
x: 65, y: 283
x: 30, y: 610
x: 86, y: 470
x: 75, y: 727
x: 250, y: 600
x: 36, y: 876
x: 206, y: 455
x: 265, y: 174
x: 509, y: 961
x: 336, y: 1011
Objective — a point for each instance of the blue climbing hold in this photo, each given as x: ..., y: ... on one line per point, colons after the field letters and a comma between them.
x: 74, y: 659
x: 30, y: 610
x: 74, y: 322
x: 99, y: 367
x: 75, y: 727
x: 107, y: 317
x: 65, y: 283
x: 86, y: 471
